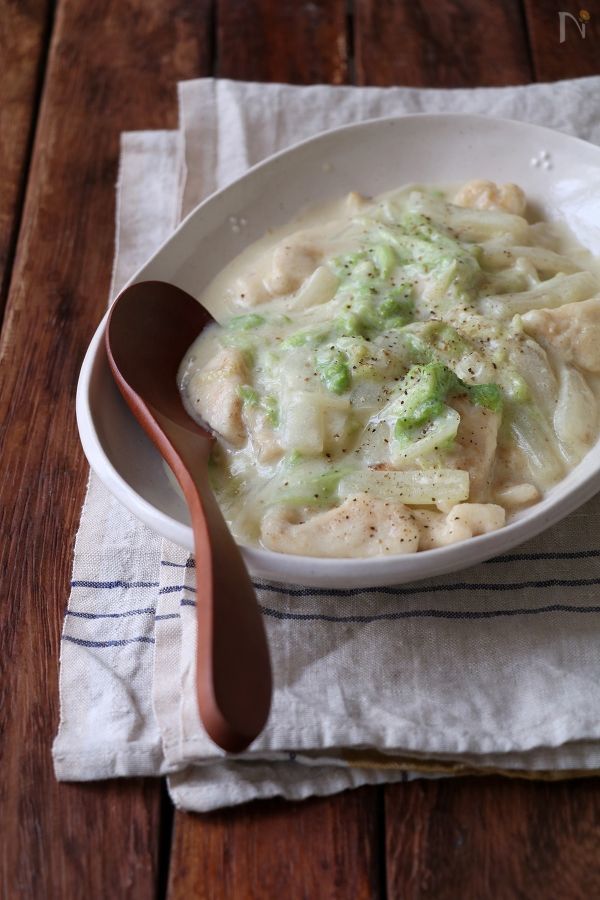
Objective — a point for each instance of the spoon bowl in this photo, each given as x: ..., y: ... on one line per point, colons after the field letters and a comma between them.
x: 149, y: 329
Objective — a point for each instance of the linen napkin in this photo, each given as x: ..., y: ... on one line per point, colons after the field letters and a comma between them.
x: 493, y: 669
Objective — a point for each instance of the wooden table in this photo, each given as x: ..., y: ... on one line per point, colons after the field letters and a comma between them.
x: 75, y: 74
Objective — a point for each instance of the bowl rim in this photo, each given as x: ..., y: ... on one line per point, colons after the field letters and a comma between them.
x: 356, y: 573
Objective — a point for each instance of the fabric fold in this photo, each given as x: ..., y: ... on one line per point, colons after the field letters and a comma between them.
x: 491, y: 669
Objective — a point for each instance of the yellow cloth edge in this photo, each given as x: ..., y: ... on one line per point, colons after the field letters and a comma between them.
x: 372, y: 759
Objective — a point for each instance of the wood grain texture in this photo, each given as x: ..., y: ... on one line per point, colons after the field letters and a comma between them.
x: 320, y: 848
x: 487, y: 837
x: 577, y: 55
x: 450, y: 43
x: 23, y: 33
x: 282, y: 40
x: 112, y: 66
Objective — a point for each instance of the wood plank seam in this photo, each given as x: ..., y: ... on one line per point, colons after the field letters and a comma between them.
x: 350, y: 26
x: 15, y: 231
x: 214, y: 39
x: 527, y: 40
x: 382, y: 859
x: 165, y: 841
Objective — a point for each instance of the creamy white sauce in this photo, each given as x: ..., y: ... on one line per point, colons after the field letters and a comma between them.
x: 318, y: 452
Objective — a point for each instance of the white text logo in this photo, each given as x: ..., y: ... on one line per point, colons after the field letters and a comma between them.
x: 580, y: 23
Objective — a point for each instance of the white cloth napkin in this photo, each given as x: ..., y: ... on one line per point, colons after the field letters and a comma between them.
x: 495, y: 668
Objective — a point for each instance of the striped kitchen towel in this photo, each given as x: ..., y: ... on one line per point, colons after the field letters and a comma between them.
x: 492, y: 669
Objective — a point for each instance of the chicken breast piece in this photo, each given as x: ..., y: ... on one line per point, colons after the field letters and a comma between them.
x: 475, y: 446
x: 573, y: 330
x: 265, y: 444
x: 361, y: 526
x: 293, y: 261
x: 480, y: 194
x: 516, y: 495
x: 464, y: 520
x: 214, y: 392
x: 249, y: 291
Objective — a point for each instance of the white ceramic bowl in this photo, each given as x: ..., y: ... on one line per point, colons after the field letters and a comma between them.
x: 561, y: 176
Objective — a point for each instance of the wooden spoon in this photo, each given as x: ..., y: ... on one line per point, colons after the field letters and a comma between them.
x: 150, y: 327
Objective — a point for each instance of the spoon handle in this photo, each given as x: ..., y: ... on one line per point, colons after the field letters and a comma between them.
x: 233, y: 670
x: 148, y: 331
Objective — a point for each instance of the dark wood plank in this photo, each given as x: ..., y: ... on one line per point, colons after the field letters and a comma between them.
x: 320, y: 848
x: 23, y: 38
x: 578, y: 54
x: 450, y: 43
x: 487, y: 837
x: 113, y: 65
x: 282, y: 40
